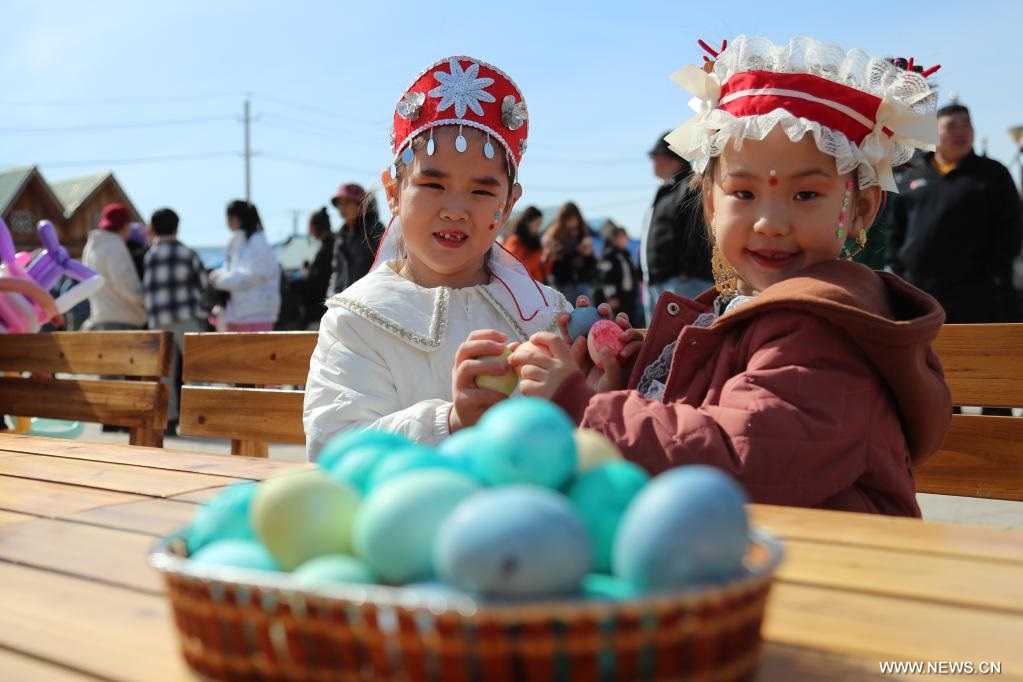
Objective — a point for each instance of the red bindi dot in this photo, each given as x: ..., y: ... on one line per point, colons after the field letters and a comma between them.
x: 772, y: 181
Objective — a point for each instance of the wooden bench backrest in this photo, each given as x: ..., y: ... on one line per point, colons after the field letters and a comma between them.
x: 248, y: 413
x: 982, y: 455
x: 139, y: 403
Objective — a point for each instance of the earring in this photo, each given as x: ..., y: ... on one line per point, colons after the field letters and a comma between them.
x: 840, y: 232
x: 860, y: 244
x: 724, y: 275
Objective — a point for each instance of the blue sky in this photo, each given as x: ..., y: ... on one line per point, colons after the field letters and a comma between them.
x: 323, y: 78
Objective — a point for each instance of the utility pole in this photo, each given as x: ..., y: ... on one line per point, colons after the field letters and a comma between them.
x: 248, y: 156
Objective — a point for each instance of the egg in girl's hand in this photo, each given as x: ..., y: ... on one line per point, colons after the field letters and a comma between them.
x: 687, y: 527
x: 513, y: 541
x: 525, y: 440
x: 502, y: 383
x: 351, y: 441
x: 581, y: 320
x: 330, y: 569
x: 395, y: 529
x: 304, y: 515
x: 237, y: 554
x: 224, y: 517
x: 604, y: 334
x: 593, y: 449
x: 600, y: 496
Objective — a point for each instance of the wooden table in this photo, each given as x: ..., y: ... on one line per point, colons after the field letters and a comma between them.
x: 78, y: 600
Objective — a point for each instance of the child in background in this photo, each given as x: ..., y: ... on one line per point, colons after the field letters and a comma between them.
x: 401, y: 348
x: 808, y: 377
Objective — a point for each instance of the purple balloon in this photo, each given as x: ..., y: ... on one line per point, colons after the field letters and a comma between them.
x: 55, y: 261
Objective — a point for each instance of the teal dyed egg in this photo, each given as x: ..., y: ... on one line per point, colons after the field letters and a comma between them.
x: 237, y: 554
x: 513, y: 542
x: 396, y: 526
x: 409, y: 458
x: 460, y: 448
x: 224, y: 517
x: 603, y: 587
x: 341, y: 445
x: 304, y: 515
x: 525, y: 440
x: 600, y: 496
x: 330, y: 569
x: 686, y: 527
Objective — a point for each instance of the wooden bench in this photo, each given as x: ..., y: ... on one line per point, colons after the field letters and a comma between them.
x: 139, y: 402
x: 982, y: 455
x: 248, y: 413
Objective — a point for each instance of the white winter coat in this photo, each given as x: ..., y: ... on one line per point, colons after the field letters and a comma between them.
x: 120, y: 297
x: 387, y: 348
x: 252, y: 275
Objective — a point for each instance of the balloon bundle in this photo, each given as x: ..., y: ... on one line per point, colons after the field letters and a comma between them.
x: 25, y: 302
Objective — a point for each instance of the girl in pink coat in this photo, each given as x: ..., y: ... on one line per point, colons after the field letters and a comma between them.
x: 808, y: 377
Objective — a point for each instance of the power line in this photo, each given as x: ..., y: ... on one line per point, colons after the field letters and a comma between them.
x: 320, y: 164
x: 333, y: 115
x: 145, y: 159
x: 351, y: 139
x: 119, y: 126
x: 118, y: 101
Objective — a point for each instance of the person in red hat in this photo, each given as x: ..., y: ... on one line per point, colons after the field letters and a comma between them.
x: 399, y: 349
x: 808, y: 377
x: 356, y: 244
x: 118, y: 304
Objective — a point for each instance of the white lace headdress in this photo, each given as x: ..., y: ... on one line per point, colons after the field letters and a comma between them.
x: 864, y: 111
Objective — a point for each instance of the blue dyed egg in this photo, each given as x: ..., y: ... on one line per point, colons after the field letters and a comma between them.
x: 395, y: 529
x: 341, y: 445
x: 224, y: 517
x: 600, y: 497
x: 409, y: 458
x: 513, y: 542
x: 525, y: 440
x: 237, y: 554
x: 330, y: 569
x: 581, y: 320
x: 686, y: 527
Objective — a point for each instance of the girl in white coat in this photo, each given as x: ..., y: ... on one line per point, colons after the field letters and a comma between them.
x: 400, y: 349
x: 250, y: 274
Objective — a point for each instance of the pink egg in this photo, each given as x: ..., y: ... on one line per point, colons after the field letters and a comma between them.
x: 605, y: 334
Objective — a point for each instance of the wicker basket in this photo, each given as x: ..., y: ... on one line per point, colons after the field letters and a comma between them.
x: 237, y: 624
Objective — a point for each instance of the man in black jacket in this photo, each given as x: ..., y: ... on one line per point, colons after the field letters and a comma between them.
x: 956, y: 226
x: 674, y: 251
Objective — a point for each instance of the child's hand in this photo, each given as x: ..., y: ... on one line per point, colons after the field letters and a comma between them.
x: 543, y: 363
x: 469, y: 400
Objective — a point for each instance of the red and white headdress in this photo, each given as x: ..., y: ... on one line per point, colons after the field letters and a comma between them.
x: 864, y: 111
x: 463, y: 91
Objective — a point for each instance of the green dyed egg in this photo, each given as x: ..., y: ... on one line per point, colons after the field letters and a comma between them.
x: 395, y: 528
x: 600, y: 586
x: 304, y: 515
x: 332, y: 569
